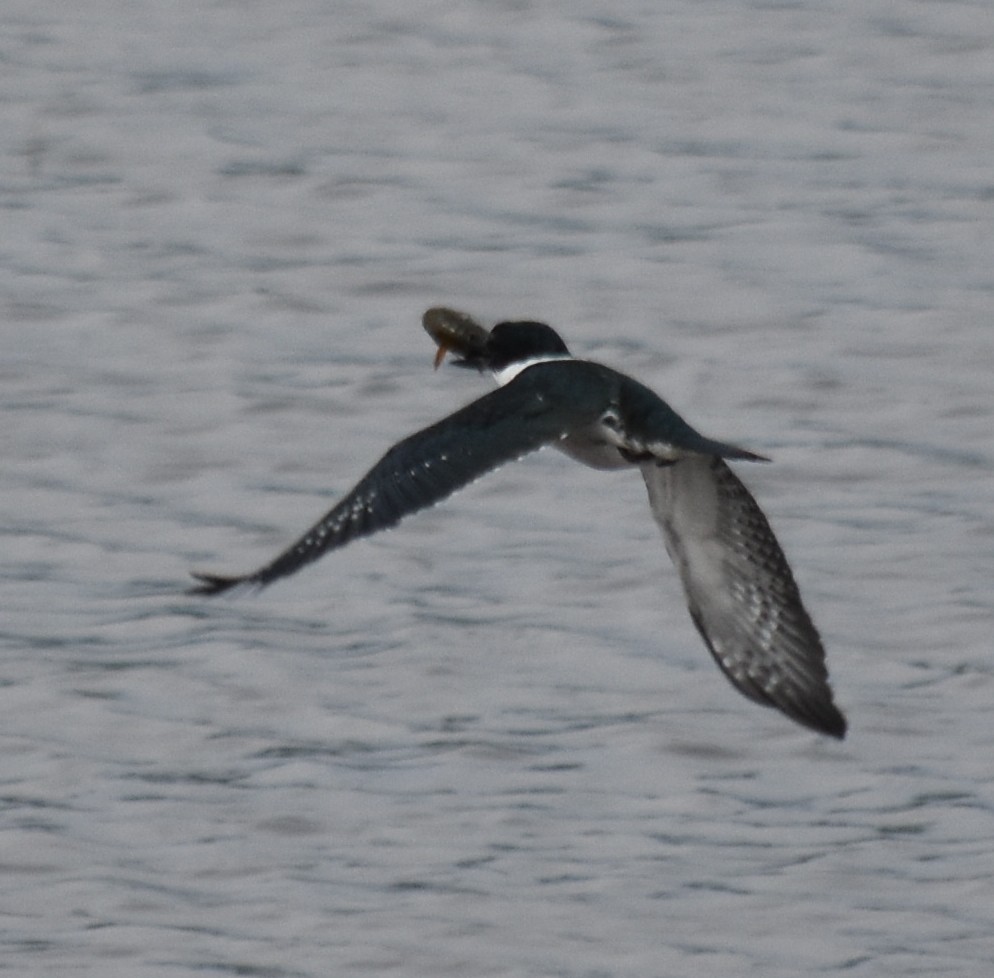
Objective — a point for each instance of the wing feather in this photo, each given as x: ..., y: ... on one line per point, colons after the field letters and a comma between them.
x: 740, y: 590
x: 428, y: 466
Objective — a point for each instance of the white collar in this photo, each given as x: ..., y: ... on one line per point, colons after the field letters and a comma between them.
x: 506, y: 374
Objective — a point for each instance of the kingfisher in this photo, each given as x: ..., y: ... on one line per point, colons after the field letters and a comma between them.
x: 738, y: 585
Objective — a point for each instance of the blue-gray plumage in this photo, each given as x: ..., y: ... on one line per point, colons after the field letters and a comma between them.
x: 739, y: 588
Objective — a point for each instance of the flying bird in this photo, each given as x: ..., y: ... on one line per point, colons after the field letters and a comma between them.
x: 738, y: 585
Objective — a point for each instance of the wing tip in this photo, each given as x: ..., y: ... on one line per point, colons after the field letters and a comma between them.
x: 832, y: 723
x: 212, y: 584
x: 819, y: 714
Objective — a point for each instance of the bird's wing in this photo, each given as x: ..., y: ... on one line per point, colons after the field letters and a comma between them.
x: 740, y: 590
x: 428, y: 466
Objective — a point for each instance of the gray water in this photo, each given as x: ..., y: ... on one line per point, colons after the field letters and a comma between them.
x: 489, y: 743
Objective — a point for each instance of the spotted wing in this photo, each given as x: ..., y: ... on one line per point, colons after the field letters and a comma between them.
x: 427, y: 467
x: 740, y: 590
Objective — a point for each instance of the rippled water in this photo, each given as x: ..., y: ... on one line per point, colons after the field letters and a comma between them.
x: 489, y: 743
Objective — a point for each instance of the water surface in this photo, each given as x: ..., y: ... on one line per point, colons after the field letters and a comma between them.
x: 490, y: 742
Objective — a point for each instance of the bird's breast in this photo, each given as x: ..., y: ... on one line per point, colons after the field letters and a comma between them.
x: 591, y: 447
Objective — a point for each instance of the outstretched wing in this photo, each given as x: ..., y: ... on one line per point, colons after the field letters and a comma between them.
x: 429, y: 466
x: 740, y: 590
